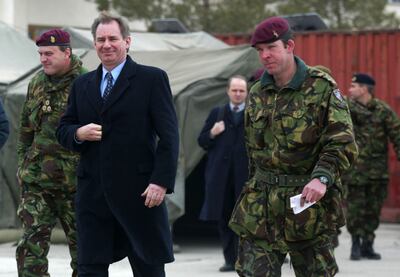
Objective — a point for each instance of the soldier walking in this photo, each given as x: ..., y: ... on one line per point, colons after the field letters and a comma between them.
x: 299, y: 137
x: 46, y: 171
x: 375, y: 124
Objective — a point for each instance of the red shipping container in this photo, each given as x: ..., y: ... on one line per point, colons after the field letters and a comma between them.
x: 374, y: 52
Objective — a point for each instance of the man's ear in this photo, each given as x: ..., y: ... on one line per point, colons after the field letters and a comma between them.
x: 68, y: 52
x: 128, y: 41
x: 290, y: 45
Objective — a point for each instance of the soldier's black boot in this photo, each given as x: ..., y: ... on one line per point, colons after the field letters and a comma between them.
x: 355, y: 254
x: 367, y: 251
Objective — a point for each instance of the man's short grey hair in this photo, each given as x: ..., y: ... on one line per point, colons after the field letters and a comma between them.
x: 105, y: 18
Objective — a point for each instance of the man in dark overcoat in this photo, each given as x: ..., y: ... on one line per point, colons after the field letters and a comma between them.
x: 226, y: 172
x: 121, y: 119
x: 4, y: 126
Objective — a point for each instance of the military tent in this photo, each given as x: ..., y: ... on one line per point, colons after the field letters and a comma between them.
x: 142, y: 41
x: 18, y: 59
x: 18, y: 56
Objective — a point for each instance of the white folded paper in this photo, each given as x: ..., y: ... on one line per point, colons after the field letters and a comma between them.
x: 295, y: 204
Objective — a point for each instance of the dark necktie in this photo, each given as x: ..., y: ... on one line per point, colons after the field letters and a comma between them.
x: 109, y: 86
x: 235, y: 114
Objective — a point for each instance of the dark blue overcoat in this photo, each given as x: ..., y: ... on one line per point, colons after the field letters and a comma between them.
x: 4, y: 126
x: 225, y: 150
x: 114, y: 172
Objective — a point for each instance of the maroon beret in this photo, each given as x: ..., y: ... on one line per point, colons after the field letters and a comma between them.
x: 270, y: 30
x: 55, y: 37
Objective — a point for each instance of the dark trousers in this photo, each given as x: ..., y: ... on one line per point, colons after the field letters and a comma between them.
x: 139, y: 269
x: 110, y: 244
x: 228, y: 238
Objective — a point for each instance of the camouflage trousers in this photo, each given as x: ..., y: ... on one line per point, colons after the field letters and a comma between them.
x: 316, y: 260
x: 364, y: 204
x: 39, y: 210
x: 269, y: 229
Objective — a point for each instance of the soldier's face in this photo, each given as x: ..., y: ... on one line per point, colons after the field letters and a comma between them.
x: 237, y: 91
x: 111, y: 47
x: 54, y: 61
x: 275, y: 56
x: 356, y: 91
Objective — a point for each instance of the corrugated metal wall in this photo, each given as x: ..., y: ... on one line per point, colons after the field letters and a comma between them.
x: 373, y: 52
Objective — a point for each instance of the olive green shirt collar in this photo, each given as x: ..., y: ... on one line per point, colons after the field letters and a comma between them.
x: 297, y: 80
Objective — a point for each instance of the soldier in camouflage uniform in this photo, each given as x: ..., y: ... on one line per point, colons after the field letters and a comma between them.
x: 299, y: 138
x: 375, y: 123
x: 46, y: 171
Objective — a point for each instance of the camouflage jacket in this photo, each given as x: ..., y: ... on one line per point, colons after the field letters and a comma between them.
x: 374, y: 125
x: 303, y: 128
x: 41, y: 159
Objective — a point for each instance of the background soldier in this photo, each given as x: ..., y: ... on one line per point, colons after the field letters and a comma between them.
x: 299, y: 138
x: 46, y: 171
x: 375, y: 123
x: 223, y: 138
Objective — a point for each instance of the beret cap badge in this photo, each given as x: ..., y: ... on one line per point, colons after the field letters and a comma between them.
x: 270, y: 30
x: 54, y: 37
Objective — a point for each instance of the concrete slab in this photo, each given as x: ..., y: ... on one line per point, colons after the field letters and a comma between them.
x: 202, y: 257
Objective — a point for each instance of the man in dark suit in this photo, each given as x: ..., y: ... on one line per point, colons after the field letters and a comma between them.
x: 121, y: 119
x: 223, y: 138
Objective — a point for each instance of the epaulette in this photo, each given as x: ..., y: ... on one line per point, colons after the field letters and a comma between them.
x: 256, y: 86
x: 319, y: 73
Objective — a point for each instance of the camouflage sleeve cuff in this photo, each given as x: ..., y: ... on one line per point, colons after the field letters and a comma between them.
x: 318, y: 172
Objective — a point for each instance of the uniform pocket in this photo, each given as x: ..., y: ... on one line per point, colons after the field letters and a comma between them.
x: 305, y: 225
x: 299, y: 127
x: 249, y: 214
x: 35, y: 114
x: 258, y: 122
x: 258, y: 118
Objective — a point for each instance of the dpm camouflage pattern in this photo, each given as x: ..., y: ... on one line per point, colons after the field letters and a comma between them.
x: 41, y: 159
x: 302, y: 129
x: 39, y: 211
x: 374, y: 125
x: 366, y: 181
x: 252, y: 261
x: 47, y: 172
x: 364, y: 204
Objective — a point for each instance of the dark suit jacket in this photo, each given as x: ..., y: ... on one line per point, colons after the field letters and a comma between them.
x: 224, y: 151
x: 138, y: 111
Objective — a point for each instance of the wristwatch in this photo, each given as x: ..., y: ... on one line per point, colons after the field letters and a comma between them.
x: 323, y: 179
